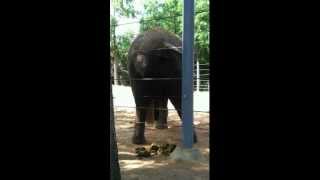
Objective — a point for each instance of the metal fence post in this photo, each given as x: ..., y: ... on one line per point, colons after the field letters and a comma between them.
x: 187, y: 73
x: 198, y: 77
x: 114, y: 161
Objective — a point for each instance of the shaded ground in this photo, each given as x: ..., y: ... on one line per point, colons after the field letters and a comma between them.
x: 161, y: 167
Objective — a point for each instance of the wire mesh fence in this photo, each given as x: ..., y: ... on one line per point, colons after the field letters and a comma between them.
x: 201, y: 71
x: 152, y: 108
x: 119, y: 72
x: 124, y: 99
x: 201, y: 83
x: 172, y: 121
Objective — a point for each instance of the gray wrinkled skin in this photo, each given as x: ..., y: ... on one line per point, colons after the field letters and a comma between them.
x: 155, y: 54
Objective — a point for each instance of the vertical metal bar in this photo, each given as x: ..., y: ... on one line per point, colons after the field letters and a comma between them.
x: 187, y: 73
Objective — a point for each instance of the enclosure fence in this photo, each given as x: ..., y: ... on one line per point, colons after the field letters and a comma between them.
x: 119, y: 75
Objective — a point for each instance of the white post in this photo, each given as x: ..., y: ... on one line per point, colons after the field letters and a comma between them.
x: 198, y: 77
x: 115, y: 73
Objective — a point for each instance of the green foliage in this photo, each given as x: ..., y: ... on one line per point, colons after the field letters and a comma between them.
x: 119, y: 46
x: 166, y: 14
x: 113, y: 23
x: 124, y: 42
x: 202, y: 30
x: 124, y: 8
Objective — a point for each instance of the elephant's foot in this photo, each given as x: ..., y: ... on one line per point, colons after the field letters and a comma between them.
x: 138, y: 136
x: 160, y: 125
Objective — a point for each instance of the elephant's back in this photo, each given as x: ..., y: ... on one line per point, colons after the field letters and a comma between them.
x: 153, y: 39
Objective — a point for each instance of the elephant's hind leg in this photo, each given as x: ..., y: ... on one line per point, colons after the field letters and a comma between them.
x: 141, y: 111
x: 161, y: 113
x: 177, y: 104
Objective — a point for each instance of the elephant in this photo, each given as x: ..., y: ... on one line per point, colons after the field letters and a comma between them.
x: 157, y: 114
x: 155, y: 71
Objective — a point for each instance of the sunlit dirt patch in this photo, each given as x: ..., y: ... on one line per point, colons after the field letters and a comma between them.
x: 160, y: 167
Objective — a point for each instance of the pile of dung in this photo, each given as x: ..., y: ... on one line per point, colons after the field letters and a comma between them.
x: 155, y: 149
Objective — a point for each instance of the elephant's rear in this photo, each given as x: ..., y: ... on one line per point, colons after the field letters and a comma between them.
x: 143, y: 48
x: 153, y: 72
x: 154, y: 65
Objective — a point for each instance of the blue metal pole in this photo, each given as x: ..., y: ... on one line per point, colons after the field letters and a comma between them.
x: 187, y: 73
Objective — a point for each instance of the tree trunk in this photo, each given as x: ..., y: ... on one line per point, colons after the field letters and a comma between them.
x: 114, y: 161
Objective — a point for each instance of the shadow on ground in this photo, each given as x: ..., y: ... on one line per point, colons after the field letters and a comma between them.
x: 161, y: 167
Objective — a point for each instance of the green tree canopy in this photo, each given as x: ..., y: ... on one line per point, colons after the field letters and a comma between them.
x: 166, y: 14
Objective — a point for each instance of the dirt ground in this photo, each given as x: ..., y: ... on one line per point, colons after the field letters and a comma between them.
x: 161, y: 167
